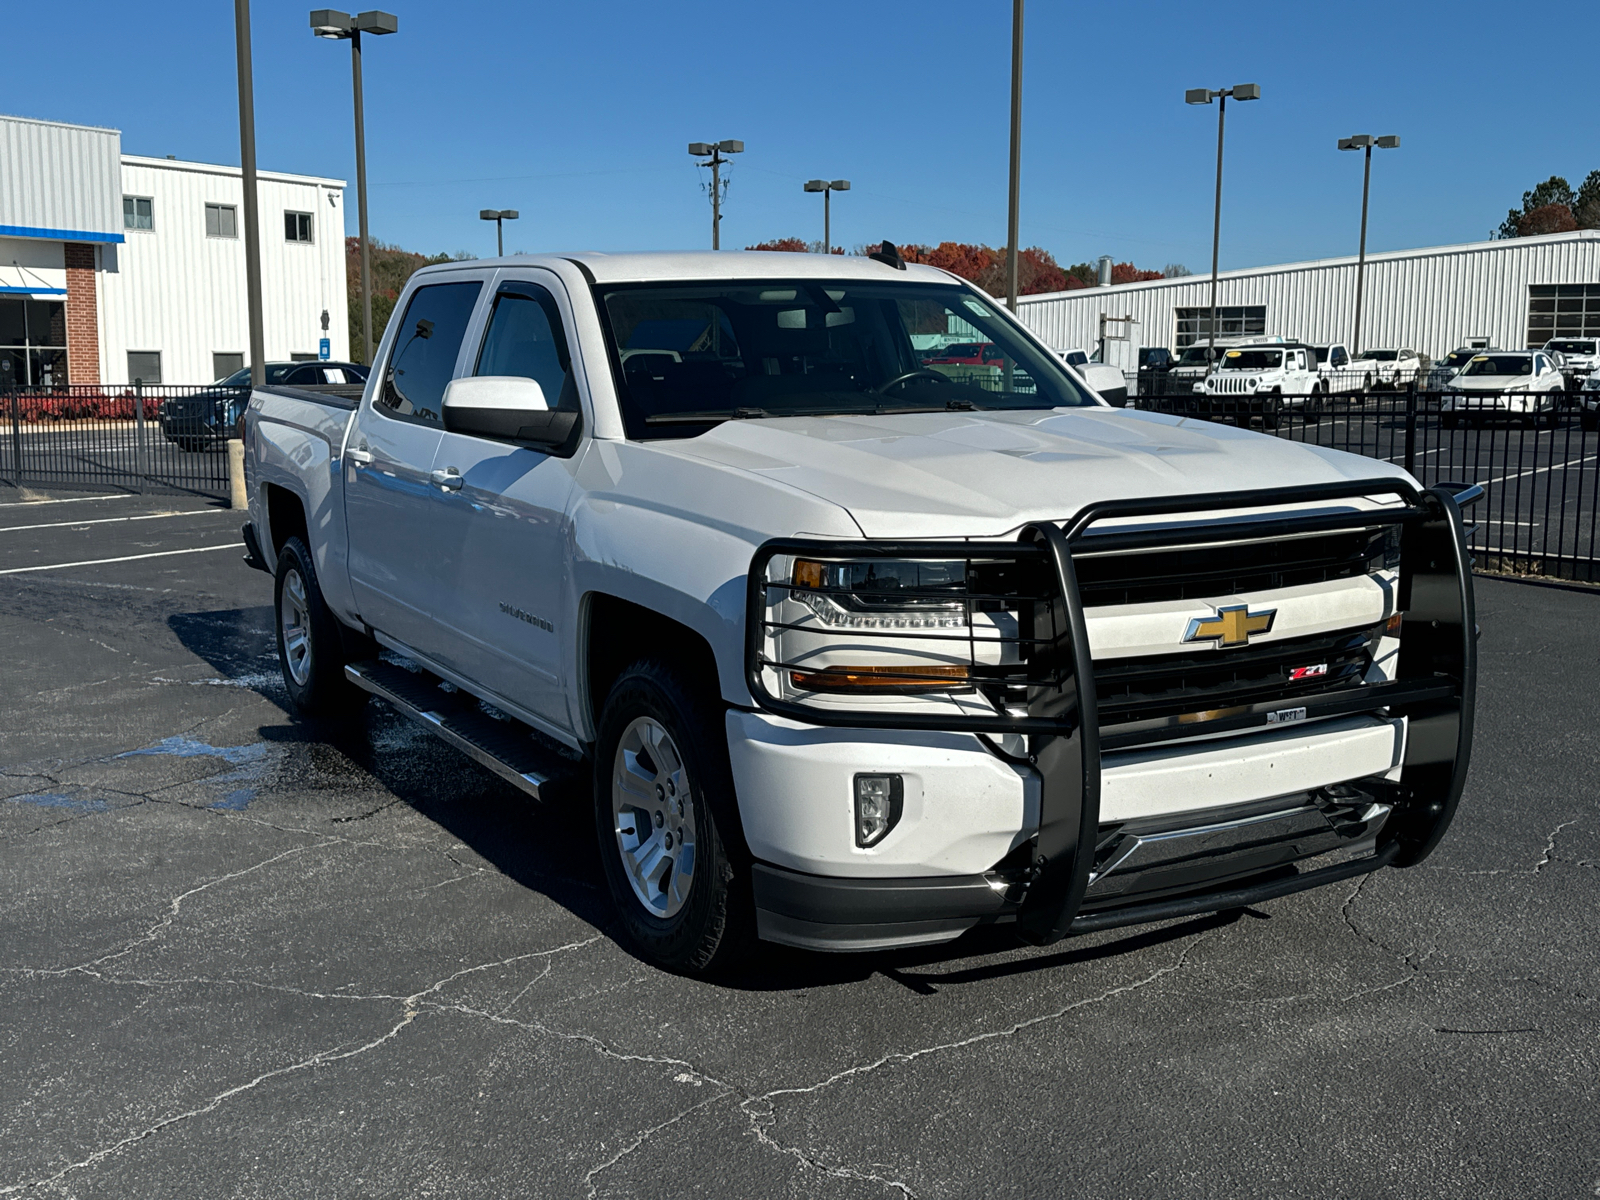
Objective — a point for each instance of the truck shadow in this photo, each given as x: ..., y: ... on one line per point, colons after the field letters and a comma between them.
x: 549, y: 846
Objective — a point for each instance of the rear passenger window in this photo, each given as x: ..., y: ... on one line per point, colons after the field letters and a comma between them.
x: 426, y: 346
x: 525, y: 338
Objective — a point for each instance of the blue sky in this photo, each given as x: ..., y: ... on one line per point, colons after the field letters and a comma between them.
x: 578, y: 114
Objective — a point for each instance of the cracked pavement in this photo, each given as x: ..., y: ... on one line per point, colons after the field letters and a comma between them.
x: 249, y: 956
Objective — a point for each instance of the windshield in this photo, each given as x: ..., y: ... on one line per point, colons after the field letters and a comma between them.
x: 1252, y: 360
x: 1196, y: 356
x: 1584, y: 347
x: 770, y: 348
x: 1499, y: 364
x: 1380, y: 355
x: 1456, y: 358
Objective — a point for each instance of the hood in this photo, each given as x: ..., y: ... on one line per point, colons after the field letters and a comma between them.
x: 988, y: 474
x: 1492, y: 383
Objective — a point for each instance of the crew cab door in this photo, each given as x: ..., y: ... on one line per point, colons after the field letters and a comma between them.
x: 394, y: 560
x: 499, y: 513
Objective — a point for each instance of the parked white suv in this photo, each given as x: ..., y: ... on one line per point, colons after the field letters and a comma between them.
x: 1442, y: 374
x: 1580, y: 358
x: 1519, y: 385
x: 841, y: 652
x: 1266, y: 379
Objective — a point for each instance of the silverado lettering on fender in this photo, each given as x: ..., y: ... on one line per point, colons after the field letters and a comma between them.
x: 858, y: 652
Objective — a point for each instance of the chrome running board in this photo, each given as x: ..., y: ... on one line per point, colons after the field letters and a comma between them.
x: 506, y: 747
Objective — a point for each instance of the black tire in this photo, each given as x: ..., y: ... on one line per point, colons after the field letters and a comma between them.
x: 1273, y: 410
x: 191, y: 445
x: 1313, y: 409
x: 312, y: 662
x: 1590, y: 421
x: 714, y: 922
x: 1448, y: 421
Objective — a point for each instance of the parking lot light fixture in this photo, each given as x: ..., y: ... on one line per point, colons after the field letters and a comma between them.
x: 499, y: 216
x: 714, y: 153
x: 1239, y: 91
x: 827, y: 187
x: 1364, y: 141
x: 335, y: 25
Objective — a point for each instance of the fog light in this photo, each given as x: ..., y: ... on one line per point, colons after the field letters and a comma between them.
x: 879, y: 799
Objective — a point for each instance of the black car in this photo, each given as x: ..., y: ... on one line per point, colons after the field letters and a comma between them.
x: 211, y: 415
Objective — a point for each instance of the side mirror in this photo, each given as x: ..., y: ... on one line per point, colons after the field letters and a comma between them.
x: 506, y: 407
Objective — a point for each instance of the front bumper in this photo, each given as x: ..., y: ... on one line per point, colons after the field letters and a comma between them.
x: 1090, y: 859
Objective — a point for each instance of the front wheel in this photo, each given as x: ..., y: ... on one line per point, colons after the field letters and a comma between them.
x: 311, y: 649
x: 664, y: 810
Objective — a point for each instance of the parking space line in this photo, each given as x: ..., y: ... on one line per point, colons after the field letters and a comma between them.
x: 1571, y: 462
x: 70, y: 500
x: 96, y: 562
x: 112, y: 520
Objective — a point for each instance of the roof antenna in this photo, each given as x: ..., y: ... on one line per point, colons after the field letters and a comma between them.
x: 888, y: 255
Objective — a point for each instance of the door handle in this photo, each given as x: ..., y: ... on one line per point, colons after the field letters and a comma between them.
x: 449, y: 479
x: 360, y: 457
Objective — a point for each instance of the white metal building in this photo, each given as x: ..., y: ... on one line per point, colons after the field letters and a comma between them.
x: 115, y: 267
x: 1517, y: 293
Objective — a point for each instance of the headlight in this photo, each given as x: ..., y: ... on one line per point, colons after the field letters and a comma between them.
x: 1252, y: 384
x: 887, y: 626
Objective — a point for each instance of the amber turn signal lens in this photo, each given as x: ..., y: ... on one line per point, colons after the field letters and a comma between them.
x: 903, y: 679
x: 807, y: 573
x: 1391, y: 627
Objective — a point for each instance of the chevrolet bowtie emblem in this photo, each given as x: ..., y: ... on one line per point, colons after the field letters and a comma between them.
x: 1232, y: 626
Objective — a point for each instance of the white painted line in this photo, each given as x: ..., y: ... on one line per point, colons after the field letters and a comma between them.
x: 1571, y: 462
x: 70, y: 500
x: 96, y: 562
x: 113, y: 520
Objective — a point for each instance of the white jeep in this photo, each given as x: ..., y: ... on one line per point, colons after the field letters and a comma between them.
x: 1265, y: 379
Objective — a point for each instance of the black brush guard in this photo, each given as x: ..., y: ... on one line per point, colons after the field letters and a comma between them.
x: 1049, y: 695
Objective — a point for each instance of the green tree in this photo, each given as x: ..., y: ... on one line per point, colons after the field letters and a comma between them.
x: 391, y: 267
x: 1586, y: 208
x: 1553, y: 191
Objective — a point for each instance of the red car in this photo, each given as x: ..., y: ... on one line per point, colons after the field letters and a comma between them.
x: 968, y: 354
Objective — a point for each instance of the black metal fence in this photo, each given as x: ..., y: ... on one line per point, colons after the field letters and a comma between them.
x: 1536, y: 453
x: 141, y: 438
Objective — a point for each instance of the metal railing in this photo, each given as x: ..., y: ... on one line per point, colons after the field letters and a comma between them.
x: 1536, y: 453
x: 140, y: 438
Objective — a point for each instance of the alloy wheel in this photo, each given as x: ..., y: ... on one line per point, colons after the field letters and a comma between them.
x: 294, y: 620
x: 653, y: 817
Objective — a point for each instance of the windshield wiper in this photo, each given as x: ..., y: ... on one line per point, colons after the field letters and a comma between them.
x: 710, y: 415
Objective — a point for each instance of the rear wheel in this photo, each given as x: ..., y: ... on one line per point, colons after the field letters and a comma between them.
x: 1590, y: 420
x: 1273, y: 410
x: 1314, y: 404
x: 664, y: 806
x: 311, y: 644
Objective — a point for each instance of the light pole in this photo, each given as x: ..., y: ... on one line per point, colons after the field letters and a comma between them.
x: 336, y: 25
x: 498, y: 215
x: 713, y: 153
x: 1014, y: 203
x: 252, y: 214
x: 1364, y: 141
x: 827, y: 187
x: 1239, y: 91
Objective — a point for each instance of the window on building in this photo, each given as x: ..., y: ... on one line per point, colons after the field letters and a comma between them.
x: 144, y: 366
x: 297, y: 227
x: 1562, y: 310
x: 1233, y: 321
x: 33, y: 343
x: 225, y: 363
x: 138, y: 212
x: 222, y: 220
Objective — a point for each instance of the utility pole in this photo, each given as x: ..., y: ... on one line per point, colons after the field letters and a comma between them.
x: 713, y: 152
x: 252, y: 215
x: 1014, y: 210
x: 1240, y: 91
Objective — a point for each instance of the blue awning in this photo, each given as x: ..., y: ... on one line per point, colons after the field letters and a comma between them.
x: 58, y: 235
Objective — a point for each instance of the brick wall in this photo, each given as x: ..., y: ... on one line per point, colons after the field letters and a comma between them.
x: 83, y: 320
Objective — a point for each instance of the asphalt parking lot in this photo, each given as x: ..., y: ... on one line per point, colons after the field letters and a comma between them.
x: 242, y: 955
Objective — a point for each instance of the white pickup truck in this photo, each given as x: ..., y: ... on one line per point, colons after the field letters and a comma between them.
x: 845, y: 653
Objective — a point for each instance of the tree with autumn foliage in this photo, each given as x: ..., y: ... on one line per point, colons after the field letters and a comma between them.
x: 1553, y: 207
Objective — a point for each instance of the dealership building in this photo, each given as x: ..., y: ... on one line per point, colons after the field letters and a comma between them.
x: 1516, y: 293
x: 116, y: 267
